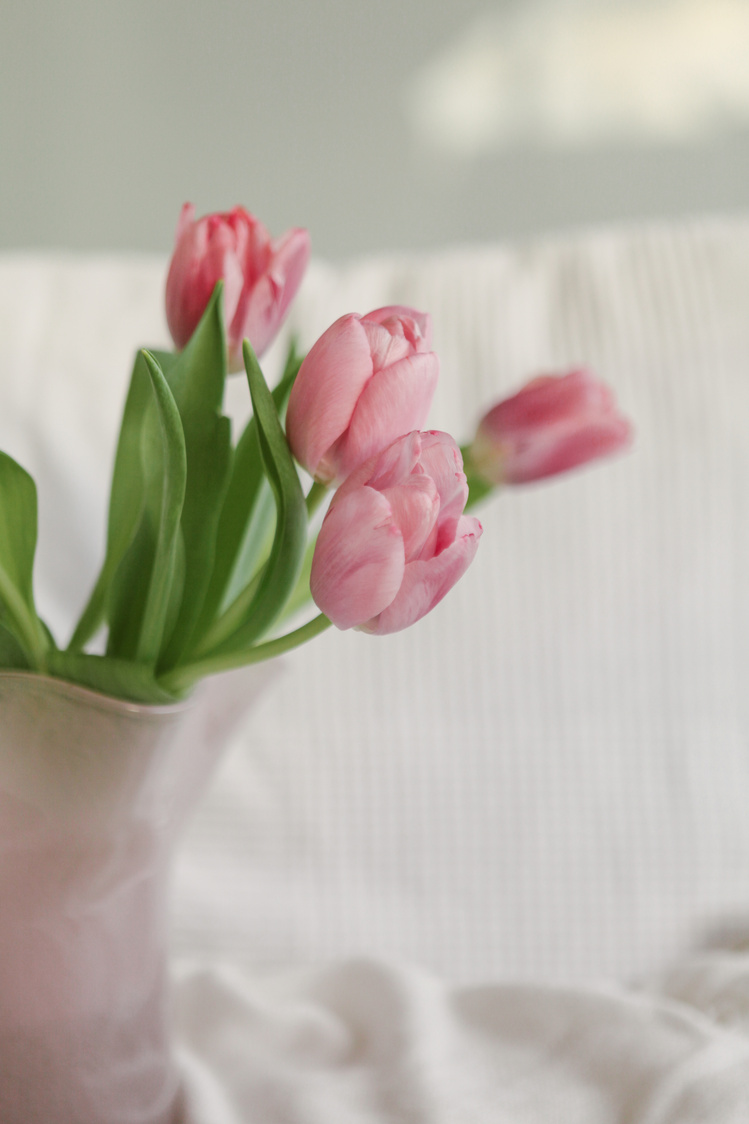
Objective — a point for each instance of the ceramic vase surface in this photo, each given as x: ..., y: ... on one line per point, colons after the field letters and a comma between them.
x: 93, y: 794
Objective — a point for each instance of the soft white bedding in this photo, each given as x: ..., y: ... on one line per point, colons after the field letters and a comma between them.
x: 371, y: 1043
x: 422, y: 849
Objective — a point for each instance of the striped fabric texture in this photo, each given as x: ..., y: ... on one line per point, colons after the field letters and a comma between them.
x: 546, y: 778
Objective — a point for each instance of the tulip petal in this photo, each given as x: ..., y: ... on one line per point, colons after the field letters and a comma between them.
x: 422, y: 339
x: 324, y: 396
x: 185, y: 220
x: 392, y: 403
x: 549, y: 399
x: 265, y: 304
x: 203, y: 256
x: 561, y: 448
x: 260, y: 277
x: 289, y: 260
x: 385, y: 469
x: 385, y: 346
x: 553, y: 423
x: 415, y: 505
x: 426, y: 582
x: 441, y: 459
x: 359, y: 561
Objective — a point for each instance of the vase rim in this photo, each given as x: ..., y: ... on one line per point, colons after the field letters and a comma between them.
x: 96, y: 698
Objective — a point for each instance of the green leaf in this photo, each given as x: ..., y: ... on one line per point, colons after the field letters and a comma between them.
x: 119, y: 678
x: 301, y: 596
x: 267, y: 597
x: 128, y: 592
x: 165, y: 359
x: 169, y: 448
x: 149, y: 574
x: 196, y: 379
x: 248, y: 513
x: 177, y: 589
x: 18, y: 530
x: 127, y: 497
x: 11, y: 652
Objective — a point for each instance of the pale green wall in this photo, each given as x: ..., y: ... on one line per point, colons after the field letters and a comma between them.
x: 112, y: 114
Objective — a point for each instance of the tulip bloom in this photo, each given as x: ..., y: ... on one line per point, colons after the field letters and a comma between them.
x: 395, y: 539
x: 260, y: 275
x: 367, y: 380
x: 554, y: 423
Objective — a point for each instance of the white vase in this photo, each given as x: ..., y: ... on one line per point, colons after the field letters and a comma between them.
x: 93, y: 793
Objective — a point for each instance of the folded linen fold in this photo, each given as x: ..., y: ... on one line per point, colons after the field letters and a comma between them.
x: 368, y: 1042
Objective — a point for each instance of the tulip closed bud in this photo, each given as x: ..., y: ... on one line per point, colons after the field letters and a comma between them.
x: 554, y: 423
x: 395, y: 539
x: 367, y: 380
x: 261, y: 277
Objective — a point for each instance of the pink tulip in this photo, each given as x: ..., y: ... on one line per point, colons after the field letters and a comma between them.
x: 394, y: 539
x: 554, y: 423
x: 367, y: 380
x: 260, y: 275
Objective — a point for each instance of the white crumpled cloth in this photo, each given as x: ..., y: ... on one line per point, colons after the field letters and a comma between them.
x: 367, y: 1042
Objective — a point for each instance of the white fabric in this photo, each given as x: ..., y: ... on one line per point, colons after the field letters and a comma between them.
x: 546, y: 779
x: 370, y: 1043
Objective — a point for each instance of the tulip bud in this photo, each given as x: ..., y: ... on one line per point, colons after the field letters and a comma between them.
x: 394, y: 539
x: 552, y: 424
x: 260, y: 275
x: 367, y: 380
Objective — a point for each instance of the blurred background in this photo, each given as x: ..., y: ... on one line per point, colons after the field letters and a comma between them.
x: 400, y: 124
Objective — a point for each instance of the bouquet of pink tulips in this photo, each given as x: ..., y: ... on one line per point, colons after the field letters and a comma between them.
x: 212, y: 548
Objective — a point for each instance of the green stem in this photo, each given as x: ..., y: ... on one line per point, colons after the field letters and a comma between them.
x: 91, y: 617
x: 479, y: 488
x: 28, y: 629
x: 180, y: 679
x: 229, y: 622
x: 315, y: 496
x: 301, y: 595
